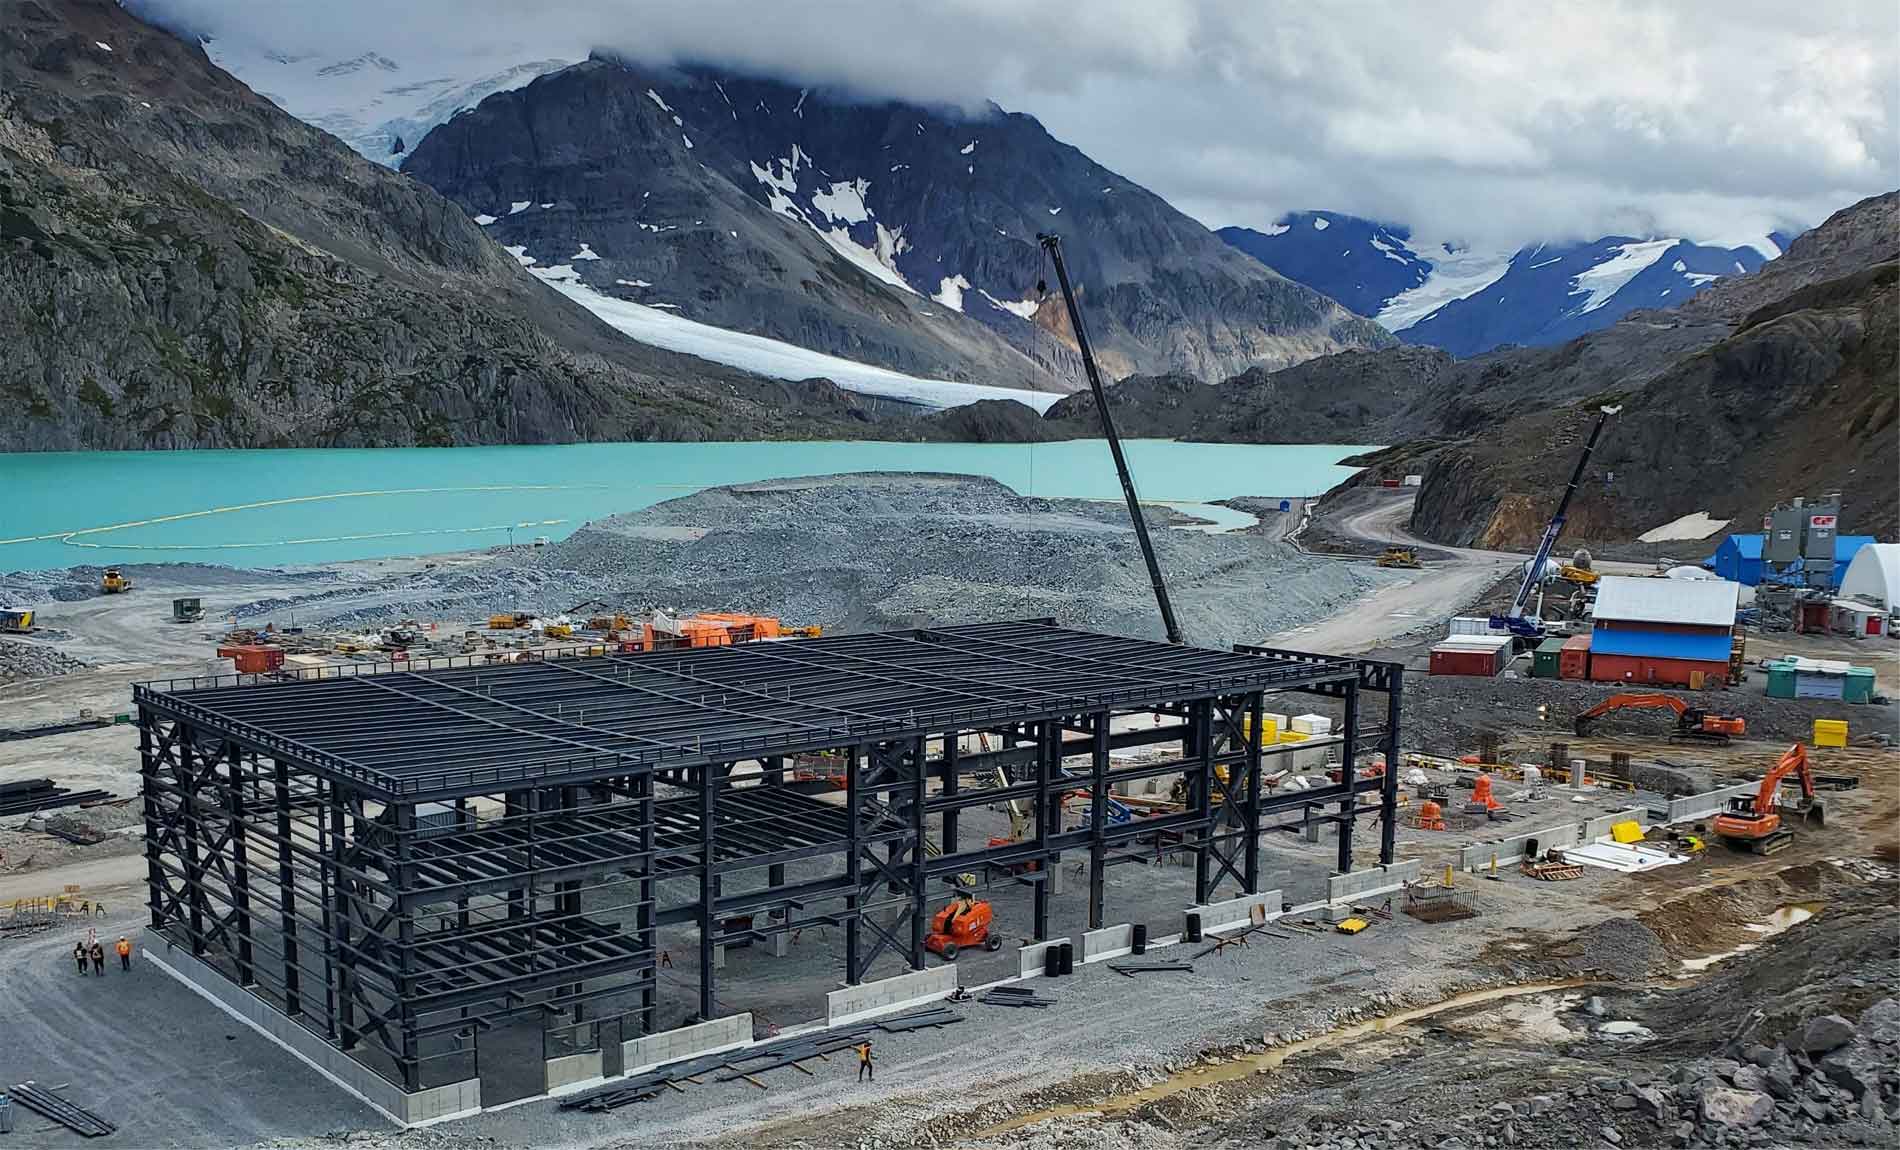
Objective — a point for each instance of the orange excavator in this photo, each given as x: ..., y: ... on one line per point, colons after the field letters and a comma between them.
x: 1753, y: 824
x: 961, y: 925
x: 1692, y: 723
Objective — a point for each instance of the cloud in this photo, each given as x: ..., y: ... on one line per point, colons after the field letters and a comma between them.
x: 1488, y: 120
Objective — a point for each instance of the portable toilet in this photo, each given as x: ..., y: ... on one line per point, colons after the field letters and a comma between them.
x: 1781, y: 679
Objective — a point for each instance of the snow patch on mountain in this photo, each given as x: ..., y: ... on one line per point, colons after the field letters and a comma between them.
x: 1604, y: 280
x: 844, y: 201
x: 950, y: 291
x: 1457, y: 272
x: 1022, y: 309
x: 652, y: 324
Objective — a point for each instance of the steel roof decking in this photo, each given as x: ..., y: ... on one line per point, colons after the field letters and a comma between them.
x: 414, y: 733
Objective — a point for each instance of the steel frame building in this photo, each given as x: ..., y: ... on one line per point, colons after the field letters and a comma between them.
x: 405, y: 857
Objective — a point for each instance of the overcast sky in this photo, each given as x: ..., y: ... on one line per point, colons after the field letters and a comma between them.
x: 1495, y: 121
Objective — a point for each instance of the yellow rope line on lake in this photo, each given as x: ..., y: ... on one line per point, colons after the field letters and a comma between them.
x: 70, y: 537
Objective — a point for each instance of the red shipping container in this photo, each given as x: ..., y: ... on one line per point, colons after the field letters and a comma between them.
x: 1573, y: 662
x: 1466, y: 659
x: 253, y: 660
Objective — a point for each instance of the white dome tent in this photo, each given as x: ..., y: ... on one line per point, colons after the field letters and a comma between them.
x: 1874, y: 575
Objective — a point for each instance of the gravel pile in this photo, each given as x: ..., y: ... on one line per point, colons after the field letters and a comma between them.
x: 31, y: 661
x: 868, y: 551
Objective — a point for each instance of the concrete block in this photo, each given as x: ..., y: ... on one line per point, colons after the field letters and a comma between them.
x: 779, y: 945
x: 1509, y: 850
x: 1054, y: 879
x: 1031, y: 956
x: 1235, y: 912
x: 1108, y: 942
x: 571, y: 1068
x: 889, y: 994
x: 1708, y: 803
x: 1598, y: 827
x: 1403, y: 871
x: 652, y: 1050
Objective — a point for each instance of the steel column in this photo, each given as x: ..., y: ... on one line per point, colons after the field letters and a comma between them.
x: 1098, y: 820
x: 1349, y: 770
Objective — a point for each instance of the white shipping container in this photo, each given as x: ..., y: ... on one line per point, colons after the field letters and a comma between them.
x: 1313, y: 724
x: 1470, y: 625
x: 1414, y: 480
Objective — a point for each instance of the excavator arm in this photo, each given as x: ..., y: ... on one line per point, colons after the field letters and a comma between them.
x: 1793, y: 761
x: 1690, y: 722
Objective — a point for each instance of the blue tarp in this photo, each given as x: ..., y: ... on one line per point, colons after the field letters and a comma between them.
x: 1660, y: 645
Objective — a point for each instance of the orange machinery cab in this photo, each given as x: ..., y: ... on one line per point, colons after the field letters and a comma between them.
x: 962, y: 924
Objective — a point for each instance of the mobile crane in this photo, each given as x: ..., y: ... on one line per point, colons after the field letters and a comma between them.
x: 1753, y: 823
x: 1514, y: 620
x: 1052, y: 245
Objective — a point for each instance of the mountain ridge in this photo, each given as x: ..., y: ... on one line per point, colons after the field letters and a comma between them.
x: 1467, y: 301
x: 882, y: 231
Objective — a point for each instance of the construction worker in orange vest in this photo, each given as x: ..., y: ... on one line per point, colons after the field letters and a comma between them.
x: 865, y: 1069
x: 125, y: 953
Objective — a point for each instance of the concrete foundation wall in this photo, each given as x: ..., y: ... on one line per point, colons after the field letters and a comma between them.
x: 727, y: 1033
x: 1707, y: 803
x: 888, y: 994
x: 1218, y: 916
x: 1478, y: 856
x: 1108, y: 942
x: 1032, y: 956
x: 451, y: 1101
x: 1594, y: 829
x: 1382, y: 879
x: 572, y: 1068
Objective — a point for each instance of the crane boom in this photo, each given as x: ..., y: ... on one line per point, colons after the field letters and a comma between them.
x: 1513, y: 620
x: 1053, y: 245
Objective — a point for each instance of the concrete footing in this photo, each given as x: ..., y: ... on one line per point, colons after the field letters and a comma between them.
x: 1108, y: 942
x: 889, y: 994
x: 1363, y: 884
x: 651, y: 1050
x: 1235, y: 912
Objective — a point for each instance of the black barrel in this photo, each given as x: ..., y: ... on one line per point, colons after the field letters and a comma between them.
x: 1051, y: 960
x: 1141, y: 938
x: 1530, y: 850
x: 1068, y: 958
x: 1193, y: 928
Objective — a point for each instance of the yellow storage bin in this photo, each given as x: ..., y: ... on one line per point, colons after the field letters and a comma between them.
x: 1830, y: 732
x: 1269, y: 730
x: 1292, y: 737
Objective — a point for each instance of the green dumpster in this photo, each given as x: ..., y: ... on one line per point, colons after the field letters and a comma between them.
x: 1781, y: 679
x: 1859, y: 687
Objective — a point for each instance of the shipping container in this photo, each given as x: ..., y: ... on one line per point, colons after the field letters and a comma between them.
x: 253, y: 660
x: 1547, y: 660
x: 1858, y: 685
x: 1470, y: 625
x: 1574, y: 661
x: 1471, y: 655
x: 1313, y: 724
x: 1813, y: 685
